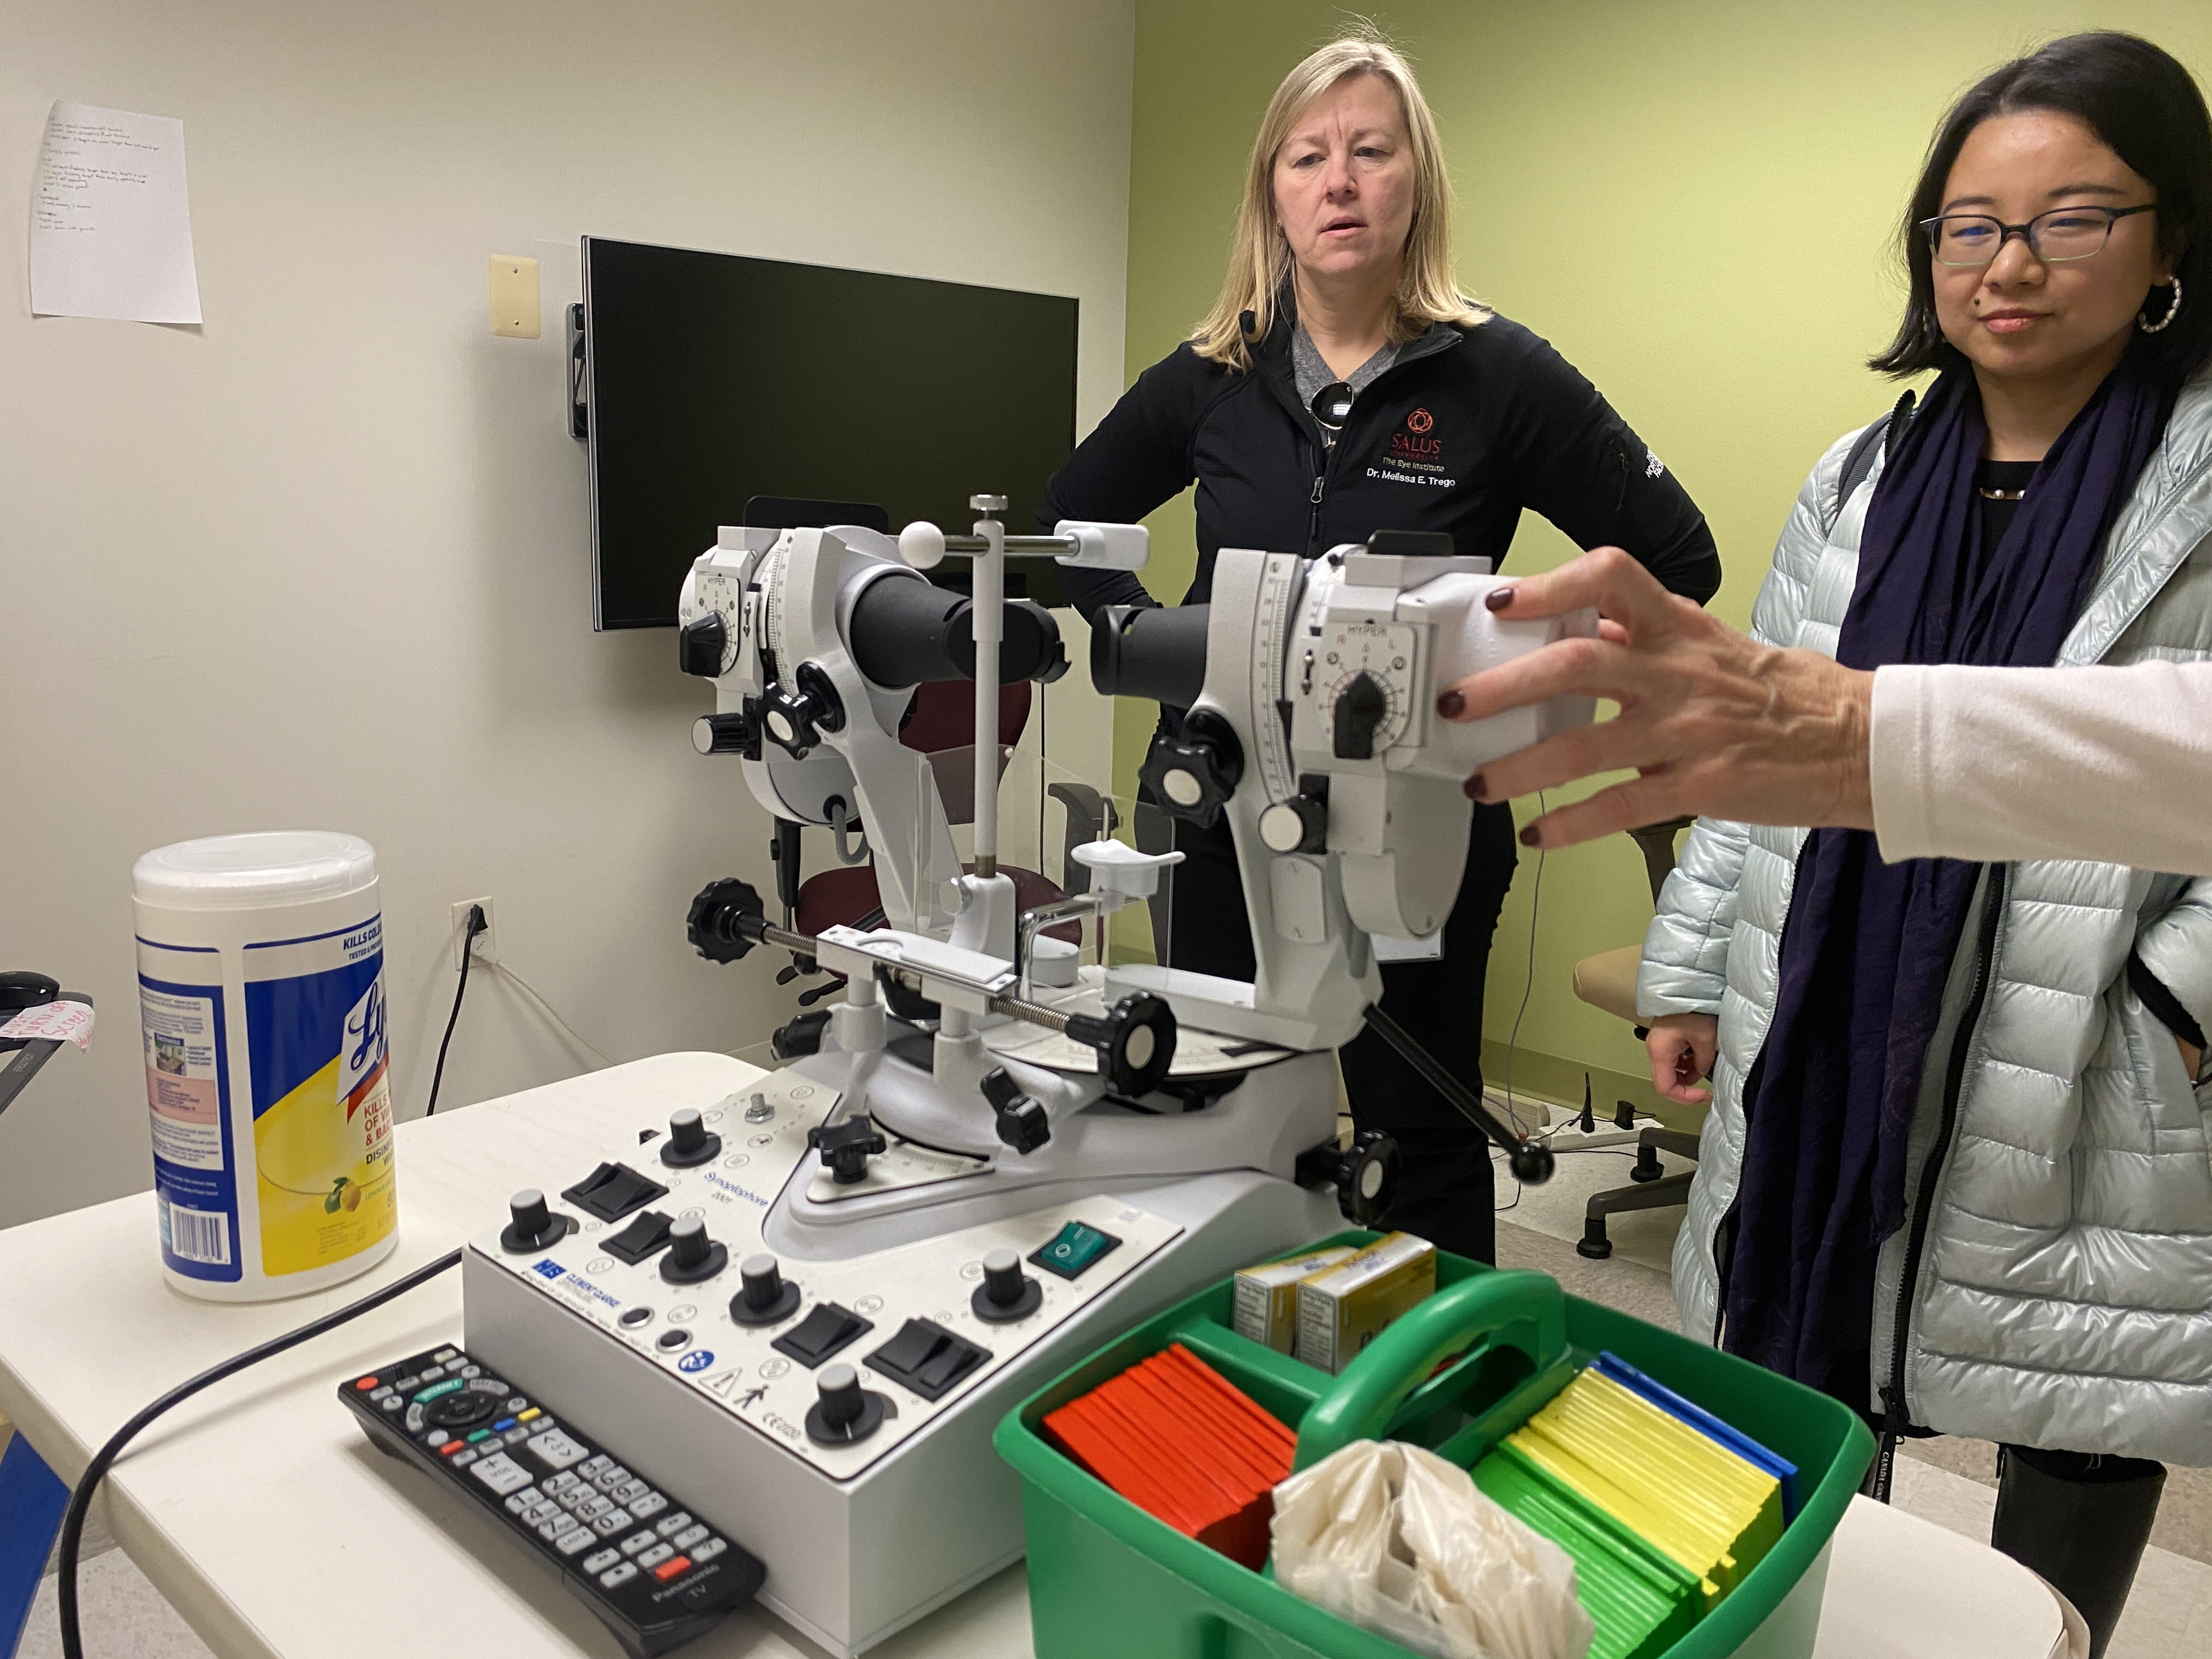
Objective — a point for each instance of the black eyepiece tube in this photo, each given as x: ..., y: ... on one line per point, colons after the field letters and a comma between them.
x: 1150, y: 651
x: 912, y: 633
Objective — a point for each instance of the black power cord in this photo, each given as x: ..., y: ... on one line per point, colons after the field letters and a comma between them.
x: 81, y: 1499
x: 476, y: 925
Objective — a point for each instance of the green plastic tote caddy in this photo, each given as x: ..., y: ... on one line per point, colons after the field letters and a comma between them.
x: 1107, y: 1581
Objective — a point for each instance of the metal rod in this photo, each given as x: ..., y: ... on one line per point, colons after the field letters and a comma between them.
x: 1035, y: 1013
x: 1440, y: 1080
x: 1028, y: 545
x: 987, y: 580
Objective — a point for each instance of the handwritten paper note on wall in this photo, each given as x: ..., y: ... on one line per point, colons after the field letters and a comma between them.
x: 111, y: 228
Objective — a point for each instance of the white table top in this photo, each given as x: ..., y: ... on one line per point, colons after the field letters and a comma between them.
x: 277, y: 1531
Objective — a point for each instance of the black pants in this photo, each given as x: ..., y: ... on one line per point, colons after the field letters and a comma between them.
x: 1445, y: 1187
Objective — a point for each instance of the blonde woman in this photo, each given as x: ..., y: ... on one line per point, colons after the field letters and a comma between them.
x: 1343, y: 384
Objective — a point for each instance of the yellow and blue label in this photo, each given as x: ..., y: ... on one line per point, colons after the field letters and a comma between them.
x: 322, y: 1099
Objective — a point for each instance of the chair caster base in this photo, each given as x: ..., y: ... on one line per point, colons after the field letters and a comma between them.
x: 1594, y: 1244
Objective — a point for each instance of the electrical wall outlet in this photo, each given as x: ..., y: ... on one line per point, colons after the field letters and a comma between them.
x: 486, y: 943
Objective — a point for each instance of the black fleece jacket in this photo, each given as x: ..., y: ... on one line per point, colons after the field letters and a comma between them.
x: 1465, y: 429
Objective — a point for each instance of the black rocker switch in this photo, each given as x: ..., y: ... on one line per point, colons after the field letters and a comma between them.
x: 927, y: 1359
x: 822, y: 1334
x: 688, y: 1142
x: 846, y: 1147
x: 692, y: 1256
x: 530, y: 1225
x: 843, y: 1411
x: 634, y: 1243
x: 766, y: 1296
x: 1006, y: 1293
x: 613, y: 1190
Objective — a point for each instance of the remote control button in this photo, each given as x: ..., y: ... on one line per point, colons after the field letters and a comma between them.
x: 521, y: 1414
x: 554, y: 1448
x: 463, y: 1458
x: 670, y: 1341
x: 460, y: 1411
x: 415, y: 1420
x: 569, y: 1543
x: 490, y: 1385
x: 592, y: 1508
x: 453, y: 1447
x: 630, y: 1490
x: 674, y: 1524
x: 391, y: 1402
x: 655, y: 1556
x: 687, y: 1537
x: 611, y: 1477
x: 709, y: 1551
x: 602, y: 1561
x: 668, y: 1570
x: 636, y: 1541
x: 502, y: 1473
x: 446, y: 1355
x: 478, y: 1434
x: 621, y: 1575
x: 515, y: 1436
x: 550, y: 1530
x: 365, y: 1384
x: 408, y: 1384
x: 543, y: 1510
x: 561, y: 1483
x: 522, y: 1500
x: 431, y: 1374
x: 592, y: 1466
x: 651, y: 1504
x: 471, y: 1370
x: 634, y: 1317
x: 611, y: 1522
x: 382, y: 1394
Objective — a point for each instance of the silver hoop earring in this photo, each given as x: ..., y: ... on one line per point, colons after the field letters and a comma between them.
x: 2144, y: 323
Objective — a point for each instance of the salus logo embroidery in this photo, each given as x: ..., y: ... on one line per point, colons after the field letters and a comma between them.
x: 1414, y: 455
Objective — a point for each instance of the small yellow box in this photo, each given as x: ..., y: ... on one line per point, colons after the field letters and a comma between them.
x: 1266, y: 1306
x: 1343, y: 1307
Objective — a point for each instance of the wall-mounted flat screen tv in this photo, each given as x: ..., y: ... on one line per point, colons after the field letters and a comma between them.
x: 706, y: 380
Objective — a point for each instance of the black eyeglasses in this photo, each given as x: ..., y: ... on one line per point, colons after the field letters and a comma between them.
x: 2063, y: 233
x: 1332, y: 406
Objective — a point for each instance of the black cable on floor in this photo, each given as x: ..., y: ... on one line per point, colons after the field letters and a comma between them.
x: 81, y: 1499
x: 476, y: 925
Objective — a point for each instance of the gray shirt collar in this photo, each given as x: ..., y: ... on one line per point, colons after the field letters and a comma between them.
x: 1313, y: 373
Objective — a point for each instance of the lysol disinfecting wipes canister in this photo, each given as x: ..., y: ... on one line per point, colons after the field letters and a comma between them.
x: 261, y: 999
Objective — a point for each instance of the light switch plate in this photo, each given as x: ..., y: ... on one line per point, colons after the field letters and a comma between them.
x: 514, y: 296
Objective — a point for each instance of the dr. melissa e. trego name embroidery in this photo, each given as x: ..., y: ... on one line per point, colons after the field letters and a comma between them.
x: 1389, y: 475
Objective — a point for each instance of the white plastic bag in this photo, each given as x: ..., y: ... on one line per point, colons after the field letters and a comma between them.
x: 1400, y: 1542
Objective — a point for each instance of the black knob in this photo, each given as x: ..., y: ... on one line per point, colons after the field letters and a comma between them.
x: 1532, y: 1162
x: 721, y: 734
x: 692, y: 1255
x: 846, y: 1147
x: 763, y: 1297
x: 844, y: 1412
x: 689, y: 1143
x: 1135, y: 1040
x: 842, y: 1399
x: 530, y: 1225
x: 1299, y: 825
x: 1192, y: 776
x: 796, y: 715
x: 1023, y: 1123
x: 1365, y: 1176
x: 726, y: 921
x: 700, y: 644
x: 1361, y: 709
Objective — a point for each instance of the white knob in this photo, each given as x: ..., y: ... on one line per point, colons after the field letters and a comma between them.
x: 922, y: 544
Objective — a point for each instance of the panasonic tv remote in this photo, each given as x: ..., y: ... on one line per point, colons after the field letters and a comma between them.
x: 655, y: 1575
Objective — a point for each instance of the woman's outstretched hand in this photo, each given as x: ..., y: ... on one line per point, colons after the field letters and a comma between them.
x: 1681, y: 1048
x: 1714, y: 724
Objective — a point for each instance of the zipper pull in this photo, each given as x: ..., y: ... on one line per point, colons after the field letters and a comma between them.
x: 1315, y: 497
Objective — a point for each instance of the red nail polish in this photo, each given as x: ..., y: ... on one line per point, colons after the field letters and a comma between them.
x: 1449, y: 703
x: 1499, y: 597
x: 1472, y: 788
x: 1529, y: 837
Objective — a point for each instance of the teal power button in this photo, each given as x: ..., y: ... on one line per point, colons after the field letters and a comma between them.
x: 1074, y: 1249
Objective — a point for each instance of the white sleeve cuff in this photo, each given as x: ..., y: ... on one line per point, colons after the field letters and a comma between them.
x: 1900, y: 763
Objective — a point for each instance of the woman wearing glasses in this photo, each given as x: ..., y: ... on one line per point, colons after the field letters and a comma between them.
x: 1956, y: 1172
x: 1343, y: 384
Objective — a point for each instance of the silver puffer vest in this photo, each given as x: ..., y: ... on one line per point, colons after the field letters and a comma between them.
x: 2052, y: 1283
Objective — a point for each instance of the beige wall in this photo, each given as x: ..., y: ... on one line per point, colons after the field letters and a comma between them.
x: 324, y: 562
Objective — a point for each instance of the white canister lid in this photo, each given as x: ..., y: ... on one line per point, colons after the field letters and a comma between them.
x: 270, y: 867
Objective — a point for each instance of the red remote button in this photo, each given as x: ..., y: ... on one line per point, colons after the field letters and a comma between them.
x: 668, y: 1570
x: 452, y: 1446
x: 365, y: 1384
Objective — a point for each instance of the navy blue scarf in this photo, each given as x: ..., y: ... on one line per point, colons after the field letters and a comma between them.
x: 1869, y: 945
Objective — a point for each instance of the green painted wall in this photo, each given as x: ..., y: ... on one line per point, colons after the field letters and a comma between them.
x: 1692, y: 201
